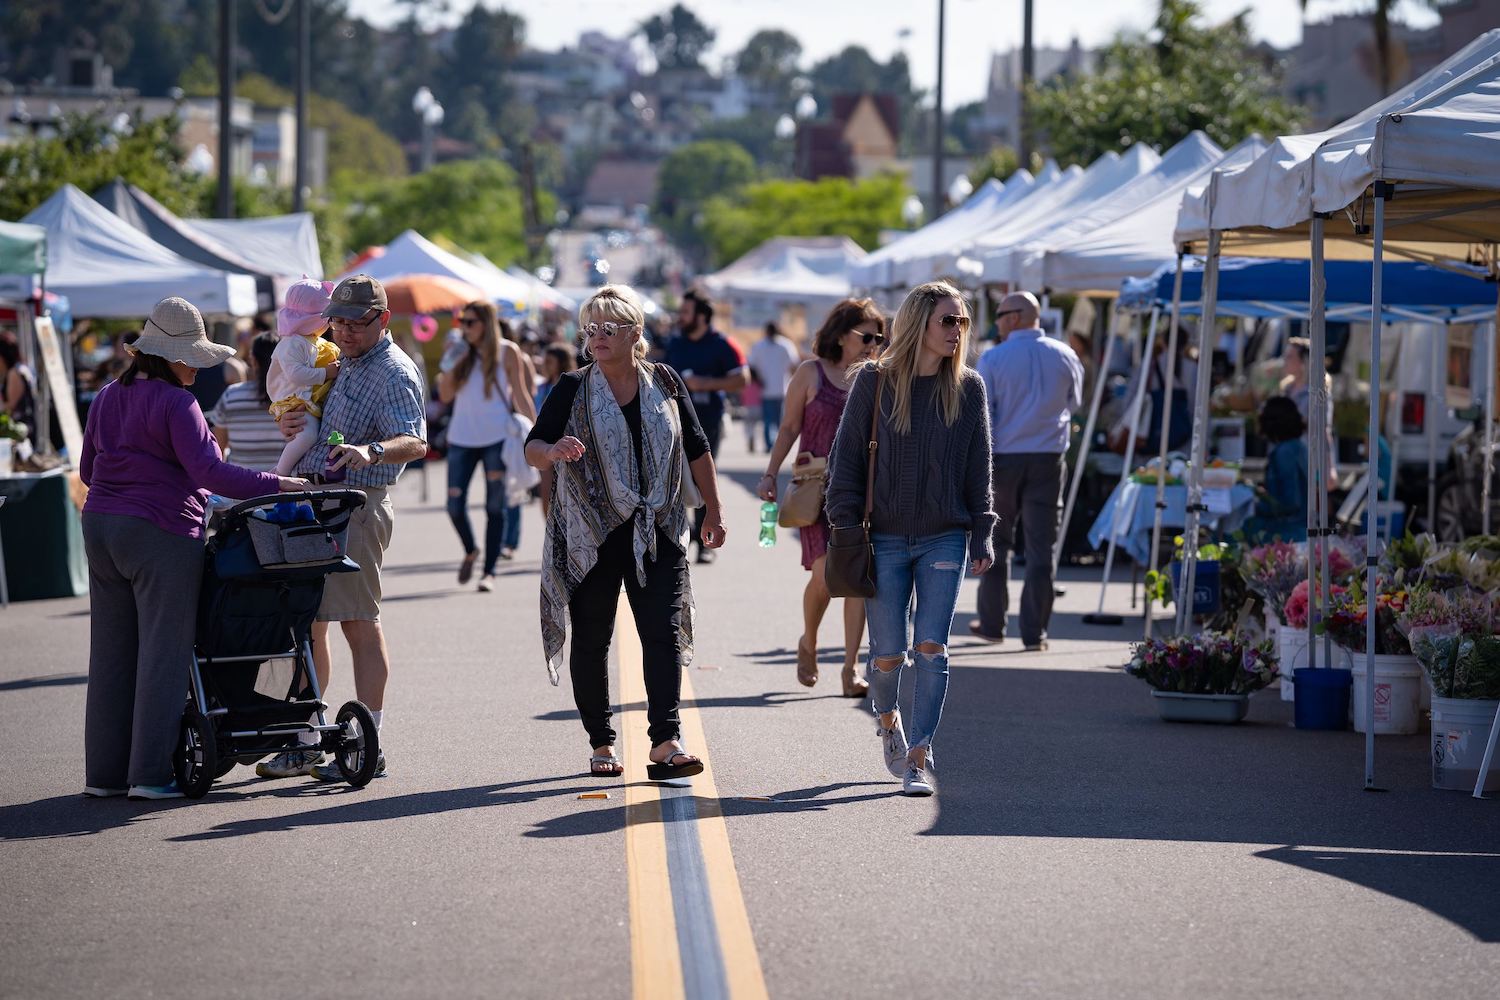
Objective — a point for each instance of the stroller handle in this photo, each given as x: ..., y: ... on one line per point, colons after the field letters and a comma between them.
x: 346, y: 498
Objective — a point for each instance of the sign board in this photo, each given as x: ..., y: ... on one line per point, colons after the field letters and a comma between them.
x: 49, y: 352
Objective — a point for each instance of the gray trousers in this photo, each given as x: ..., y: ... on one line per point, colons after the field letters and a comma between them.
x: 143, y: 596
x: 1029, y: 485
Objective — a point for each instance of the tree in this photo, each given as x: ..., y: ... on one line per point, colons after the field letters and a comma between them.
x: 1380, y: 21
x: 770, y: 61
x: 678, y: 38
x: 999, y: 162
x: 689, y: 177
x: 855, y: 71
x: 474, y: 82
x: 831, y: 206
x: 1158, y: 88
x: 756, y: 133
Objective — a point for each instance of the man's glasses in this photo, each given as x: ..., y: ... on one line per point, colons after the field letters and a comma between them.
x: 870, y: 338
x: 604, y: 329
x: 1008, y: 312
x: 355, y: 324
x: 955, y: 320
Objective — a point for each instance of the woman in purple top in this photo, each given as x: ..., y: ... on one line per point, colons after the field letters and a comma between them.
x: 853, y: 332
x: 148, y: 456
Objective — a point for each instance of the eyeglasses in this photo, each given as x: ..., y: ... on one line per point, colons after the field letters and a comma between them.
x: 604, y: 329
x: 1008, y: 312
x: 955, y: 320
x: 869, y: 338
x: 360, y: 323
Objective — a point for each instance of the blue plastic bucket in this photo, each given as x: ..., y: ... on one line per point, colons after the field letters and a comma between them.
x: 1205, y: 586
x: 1322, y: 697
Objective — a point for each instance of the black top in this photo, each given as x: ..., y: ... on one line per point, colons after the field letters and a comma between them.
x: 552, y: 423
x: 712, y: 355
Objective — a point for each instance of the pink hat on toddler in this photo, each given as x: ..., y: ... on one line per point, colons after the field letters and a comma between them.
x: 302, y: 313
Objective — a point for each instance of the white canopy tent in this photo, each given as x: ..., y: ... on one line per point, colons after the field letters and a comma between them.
x: 808, y: 271
x: 1038, y: 215
x: 1330, y: 193
x: 282, y: 245
x: 110, y: 270
x: 413, y: 253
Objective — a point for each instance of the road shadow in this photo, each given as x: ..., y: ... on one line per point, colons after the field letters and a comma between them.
x: 74, y: 816
x: 829, y: 657
x: 1082, y: 754
x: 770, y: 699
x: 51, y: 680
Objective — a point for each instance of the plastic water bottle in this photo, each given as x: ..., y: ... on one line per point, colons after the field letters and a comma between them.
x: 330, y: 474
x: 768, y: 524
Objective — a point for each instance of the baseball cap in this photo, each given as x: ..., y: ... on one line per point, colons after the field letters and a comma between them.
x: 355, y: 296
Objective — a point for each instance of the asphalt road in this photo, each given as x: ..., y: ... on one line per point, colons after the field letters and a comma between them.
x: 1077, y: 847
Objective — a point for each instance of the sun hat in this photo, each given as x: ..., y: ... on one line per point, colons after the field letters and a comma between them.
x: 175, y: 332
x: 302, y: 313
x: 355, y: 296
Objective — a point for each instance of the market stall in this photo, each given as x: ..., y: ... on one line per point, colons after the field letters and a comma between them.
x: 806, y: 272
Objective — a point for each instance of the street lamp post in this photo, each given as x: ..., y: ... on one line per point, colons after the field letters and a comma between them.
x: 431, y: 112
x: 1028, y: 73
x: 937, y: 116
x: 226, y: 108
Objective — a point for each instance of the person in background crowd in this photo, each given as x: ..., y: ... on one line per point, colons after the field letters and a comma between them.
x: 376, y: 405
x: 853, y: 332
x: 1034, y: 384
x: 1281, y: 504
x: 751, y: 399
x: 17, y: 386
x: 147, y: 459
x: 512, y: 537
x: 1294, y: 385
x: 484, y: 377
x: 931, y: 506
x: 557, y: 361
x: 211, y: 382
x: 1180, y: 406
x: 710, y: 365
x: 614, y: 434
x: 241, y: 419
x: 773, y: 360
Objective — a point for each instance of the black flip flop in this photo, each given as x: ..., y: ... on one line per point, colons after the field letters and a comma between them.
x: 666, y: 770
x: 615, y: 770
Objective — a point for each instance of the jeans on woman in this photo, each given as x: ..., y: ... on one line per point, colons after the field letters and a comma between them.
x: 929, y: 567
x: 513, y: 527
x: 461, y: 465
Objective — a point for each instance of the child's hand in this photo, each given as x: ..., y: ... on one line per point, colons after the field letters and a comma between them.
x: 332, y: 371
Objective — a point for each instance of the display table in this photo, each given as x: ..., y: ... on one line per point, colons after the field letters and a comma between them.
x: 42, y: 537
x: 1129, y: 512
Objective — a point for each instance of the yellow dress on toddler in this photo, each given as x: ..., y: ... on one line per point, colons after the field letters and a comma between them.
x: 323, y: 353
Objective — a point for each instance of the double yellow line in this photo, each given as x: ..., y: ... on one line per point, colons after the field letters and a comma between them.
x: 690, y: 934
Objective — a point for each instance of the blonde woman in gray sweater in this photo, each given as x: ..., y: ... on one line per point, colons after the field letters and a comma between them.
x: 932, y: 508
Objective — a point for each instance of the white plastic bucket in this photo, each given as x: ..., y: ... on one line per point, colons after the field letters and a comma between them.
x: 1291, y: 653
x: 7, y: 450
x: 1460, y: 729
x: 1398, y: 691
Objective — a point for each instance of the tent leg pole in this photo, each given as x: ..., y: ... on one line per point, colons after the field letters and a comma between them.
x: 1166, y: 423
x: 1437, y: 388
x: 1489, y: 418
x: 1099, y: 617
x: 1088, y: 437
x: 1206, y: 342
x: 1317, y: 492
x: 1372, y: 457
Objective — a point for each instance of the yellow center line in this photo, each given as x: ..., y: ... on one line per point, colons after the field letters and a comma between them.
x: 656, y: 958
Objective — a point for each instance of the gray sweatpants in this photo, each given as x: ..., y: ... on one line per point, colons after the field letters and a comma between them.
x: 1028, y: 484
x: 143, y: 596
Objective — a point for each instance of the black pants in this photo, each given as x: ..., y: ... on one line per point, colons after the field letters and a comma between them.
x: 1028, y: 485
x: 713, y: 430
x: 658, y: 608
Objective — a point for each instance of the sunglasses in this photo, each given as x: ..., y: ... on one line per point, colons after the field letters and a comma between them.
x: 954, y: 320
x: 604, y: 329
x: 470, y: 320
x: 869, y: 338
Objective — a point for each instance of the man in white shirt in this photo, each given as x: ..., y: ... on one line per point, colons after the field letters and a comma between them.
x: 773, y: 360
x: 1034, y: 384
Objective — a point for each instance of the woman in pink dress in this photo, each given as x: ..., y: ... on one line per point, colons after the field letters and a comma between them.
x: 853, y: 332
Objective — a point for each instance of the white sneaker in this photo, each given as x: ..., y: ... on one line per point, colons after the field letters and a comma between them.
x: 915, y: 782
x: 96, y: 792
x: 290, y: 763
x: 893, y: 742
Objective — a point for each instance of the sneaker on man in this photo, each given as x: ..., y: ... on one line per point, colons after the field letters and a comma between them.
x: 290, y: 763
x: 101, y: 792
x: 915, y: 782
x: 893, y: 743
x: 330, y: 771
x: 168, y: 791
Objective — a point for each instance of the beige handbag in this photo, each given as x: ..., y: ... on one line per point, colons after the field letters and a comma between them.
x: 803, y: 501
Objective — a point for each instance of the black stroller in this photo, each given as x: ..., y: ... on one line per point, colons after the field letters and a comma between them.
x: 253, y: 688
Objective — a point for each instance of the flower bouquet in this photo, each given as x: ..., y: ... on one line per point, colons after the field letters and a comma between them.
x: 1348, y: 613
x: 1452, y: 636
x: 1295, y: 611
x: 1205, y: 663
x: 1273, y: 572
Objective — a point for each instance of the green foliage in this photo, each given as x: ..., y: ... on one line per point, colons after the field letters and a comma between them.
x: 756, y: 132
x: 832, y: 206
x: 475, y: 204
x: 692, y: 175
x: 1000, y: 161
x: 1157, y: 88
x: 770, y: 61
x: 677, y: 38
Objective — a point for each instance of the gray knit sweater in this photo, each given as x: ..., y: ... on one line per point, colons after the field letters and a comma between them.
x: 934, y: 479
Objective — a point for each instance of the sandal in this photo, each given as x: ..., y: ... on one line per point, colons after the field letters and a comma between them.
x: 605, y: 766
x: 854, y: 687
x: 666, y: 770
x: 807, y: 665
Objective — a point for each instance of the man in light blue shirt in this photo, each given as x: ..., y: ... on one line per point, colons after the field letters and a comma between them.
x: 1034, y: 384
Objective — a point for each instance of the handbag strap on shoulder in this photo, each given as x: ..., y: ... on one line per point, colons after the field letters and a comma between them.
x: 870, y: 456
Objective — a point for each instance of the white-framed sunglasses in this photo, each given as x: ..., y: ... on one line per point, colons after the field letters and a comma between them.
x: 592, y: 330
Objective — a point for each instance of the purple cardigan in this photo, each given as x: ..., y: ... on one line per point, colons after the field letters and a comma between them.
x: 148, y: 453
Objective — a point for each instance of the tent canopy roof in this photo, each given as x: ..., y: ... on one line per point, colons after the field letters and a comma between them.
x: 282, y: 245
x: 151, y: 217
x: 801, y: 269
x: 23, y: 248
x: 413, y: 253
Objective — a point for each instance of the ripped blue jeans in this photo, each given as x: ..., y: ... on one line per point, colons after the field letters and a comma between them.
x: 928, y: 568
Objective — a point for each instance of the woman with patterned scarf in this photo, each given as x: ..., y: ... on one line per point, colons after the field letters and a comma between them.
x: 619, y: 435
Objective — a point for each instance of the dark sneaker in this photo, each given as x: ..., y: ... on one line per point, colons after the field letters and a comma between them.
x: 330, y: 771
x: 290, y: 763
x: 170, y: 791
x: 100, y: 792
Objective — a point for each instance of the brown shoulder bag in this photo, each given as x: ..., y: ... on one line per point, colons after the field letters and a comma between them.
x: 849, y: 569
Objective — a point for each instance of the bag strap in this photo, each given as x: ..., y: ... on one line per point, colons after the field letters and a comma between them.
x: 870, y: 457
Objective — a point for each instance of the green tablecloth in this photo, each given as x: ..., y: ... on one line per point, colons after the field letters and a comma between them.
x: 42, y: 538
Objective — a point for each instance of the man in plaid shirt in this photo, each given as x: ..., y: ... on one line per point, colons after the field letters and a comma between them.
x: 376, y: 404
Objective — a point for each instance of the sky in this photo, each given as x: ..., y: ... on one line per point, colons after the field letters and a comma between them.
x: 975, y: 28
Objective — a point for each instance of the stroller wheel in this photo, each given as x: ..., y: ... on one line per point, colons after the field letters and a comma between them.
x: 357, y: 752
x: 196, y: 759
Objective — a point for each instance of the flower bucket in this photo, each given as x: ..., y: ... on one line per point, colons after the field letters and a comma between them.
x: 1177, y: 706
x: 1398, y: 693
x: 1291, y: 653
x: 1460, y: 729
x: 1205, y: 586
x: 1322, y: 697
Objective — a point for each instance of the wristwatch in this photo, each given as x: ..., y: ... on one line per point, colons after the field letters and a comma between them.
x: 377, y: 453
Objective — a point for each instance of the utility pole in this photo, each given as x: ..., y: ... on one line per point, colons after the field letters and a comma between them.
x: 304, y: 63
x: 938, y: 202
x: 1028, y: 74
x: 226, y: 109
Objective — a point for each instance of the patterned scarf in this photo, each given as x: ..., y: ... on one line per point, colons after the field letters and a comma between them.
x: 603, y: 490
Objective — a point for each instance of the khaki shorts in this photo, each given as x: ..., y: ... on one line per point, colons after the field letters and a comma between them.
x: 356, y: 596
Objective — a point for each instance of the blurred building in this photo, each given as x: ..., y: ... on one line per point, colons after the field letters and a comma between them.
x: 861, y: 136
x: 1001, y: 119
